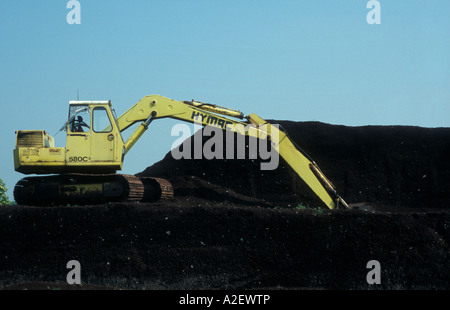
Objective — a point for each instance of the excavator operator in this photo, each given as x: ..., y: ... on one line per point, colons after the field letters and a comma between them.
x: 78, y: 124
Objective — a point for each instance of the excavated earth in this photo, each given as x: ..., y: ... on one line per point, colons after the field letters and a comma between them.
x: 232, y: 225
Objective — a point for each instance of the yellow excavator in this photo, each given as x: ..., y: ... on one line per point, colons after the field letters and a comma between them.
x: 85, y: 170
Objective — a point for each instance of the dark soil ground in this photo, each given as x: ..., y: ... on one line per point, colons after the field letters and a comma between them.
x: 233, y: 226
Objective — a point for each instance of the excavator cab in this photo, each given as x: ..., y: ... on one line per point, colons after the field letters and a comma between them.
x: 94, y: 143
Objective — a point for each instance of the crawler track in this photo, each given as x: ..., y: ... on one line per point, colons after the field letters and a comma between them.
x: 89, y: 189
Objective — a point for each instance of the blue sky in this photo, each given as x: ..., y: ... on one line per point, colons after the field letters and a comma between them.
x: 292, y: 60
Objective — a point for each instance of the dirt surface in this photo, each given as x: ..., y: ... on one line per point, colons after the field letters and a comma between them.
x: 233, y: 226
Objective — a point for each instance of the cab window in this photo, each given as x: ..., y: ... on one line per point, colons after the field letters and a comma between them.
x: 101, y: 120
x: 79, y: 118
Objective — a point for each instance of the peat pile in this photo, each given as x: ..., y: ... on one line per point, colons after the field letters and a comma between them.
x: 227, y: 227
x: 399, y: 166
x: 177, y: 246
